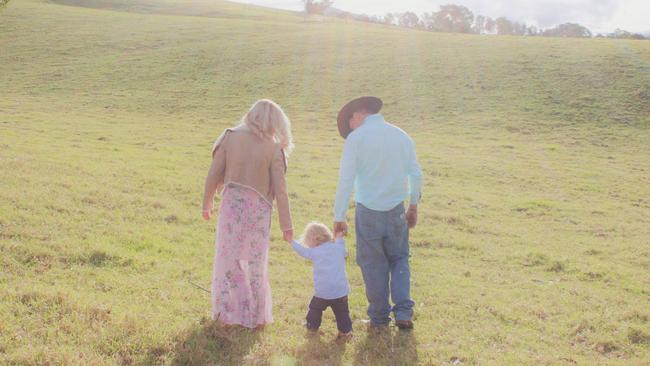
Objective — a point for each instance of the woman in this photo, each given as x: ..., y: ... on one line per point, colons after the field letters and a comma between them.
x: 248, y: 167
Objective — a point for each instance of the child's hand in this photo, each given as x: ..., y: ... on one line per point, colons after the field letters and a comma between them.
x: 288, y: 235
x: 206, y: 215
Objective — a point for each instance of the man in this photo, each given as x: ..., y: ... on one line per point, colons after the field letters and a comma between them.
x: 380, y: 163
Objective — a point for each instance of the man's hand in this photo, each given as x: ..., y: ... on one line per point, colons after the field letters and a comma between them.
x: 340, y: 227
x: 288, y: 235
x: 412, y: 216
x: 206, y: 215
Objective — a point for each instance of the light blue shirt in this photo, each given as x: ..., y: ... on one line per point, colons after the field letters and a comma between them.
x: 330, y: 280
x: 380, y: 164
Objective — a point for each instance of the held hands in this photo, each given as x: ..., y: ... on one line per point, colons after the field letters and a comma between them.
x: 288, y: 235
x: 340, y: 227
x: 412, y: 216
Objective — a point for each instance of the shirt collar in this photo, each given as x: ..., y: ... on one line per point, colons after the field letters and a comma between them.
x: 370, y: 120
x: 377, y: 117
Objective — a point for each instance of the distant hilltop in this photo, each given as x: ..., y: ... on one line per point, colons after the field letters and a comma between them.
x: 453, y: 18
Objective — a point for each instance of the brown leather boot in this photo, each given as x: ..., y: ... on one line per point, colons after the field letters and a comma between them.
x: 404, y: 324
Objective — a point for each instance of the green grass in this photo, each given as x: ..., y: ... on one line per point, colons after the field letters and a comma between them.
x: 533, y: 243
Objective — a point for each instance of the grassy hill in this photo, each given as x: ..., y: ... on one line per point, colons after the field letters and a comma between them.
x: 532, y: 246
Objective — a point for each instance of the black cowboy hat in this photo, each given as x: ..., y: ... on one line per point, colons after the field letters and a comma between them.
x: 371, y: 104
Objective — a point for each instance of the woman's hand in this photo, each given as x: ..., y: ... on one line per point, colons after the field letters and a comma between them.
x: 206, y: 215
x: 288, y: 235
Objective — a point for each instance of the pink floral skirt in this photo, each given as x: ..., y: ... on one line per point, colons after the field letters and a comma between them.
x: 241, y: 293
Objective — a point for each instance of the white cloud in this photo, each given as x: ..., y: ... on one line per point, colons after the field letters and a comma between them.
x: 597, y: 15
x: 633, y: 16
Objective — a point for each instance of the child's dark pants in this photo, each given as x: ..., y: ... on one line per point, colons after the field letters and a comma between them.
x: 339, y: 307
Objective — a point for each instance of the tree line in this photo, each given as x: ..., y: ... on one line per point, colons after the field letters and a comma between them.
x: 459, y: 19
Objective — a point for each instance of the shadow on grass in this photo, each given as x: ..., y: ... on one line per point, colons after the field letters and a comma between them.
x: 317, y: 352
x: 389, y: 347
x: 210, y: 344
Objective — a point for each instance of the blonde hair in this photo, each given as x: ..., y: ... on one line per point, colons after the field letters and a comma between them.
x: 267, y: 120
x: 316, y: 234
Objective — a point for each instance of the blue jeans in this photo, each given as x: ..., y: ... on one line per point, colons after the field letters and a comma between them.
x: 383, y: 255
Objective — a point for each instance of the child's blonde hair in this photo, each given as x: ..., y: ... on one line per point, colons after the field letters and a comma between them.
x: 316, y: 234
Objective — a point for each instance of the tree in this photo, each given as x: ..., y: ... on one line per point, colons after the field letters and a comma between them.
x: 315, y: 7
x: 490, y: 25
x: 479, y: 24
x: 409, y: 20
x: 568, y: 30
x: 375, y: 19
x: 619, y: 33
x: 623, y: 34
x: 390, y: 18
x: 362, y: 17
x: 451, y: 18
x: 504, y: 26
x: 532, y: 31
x: 427, y: 21
x: 519, y: 29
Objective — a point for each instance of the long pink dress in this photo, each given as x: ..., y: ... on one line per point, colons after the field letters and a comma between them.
x: 241, y: 293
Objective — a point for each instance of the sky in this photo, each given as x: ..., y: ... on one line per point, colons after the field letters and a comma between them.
x: 600, y: 16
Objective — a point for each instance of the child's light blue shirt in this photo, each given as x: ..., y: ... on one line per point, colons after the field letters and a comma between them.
x: 330, y: 280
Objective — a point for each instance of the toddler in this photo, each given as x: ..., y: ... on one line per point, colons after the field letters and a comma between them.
x: 331, y: 286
